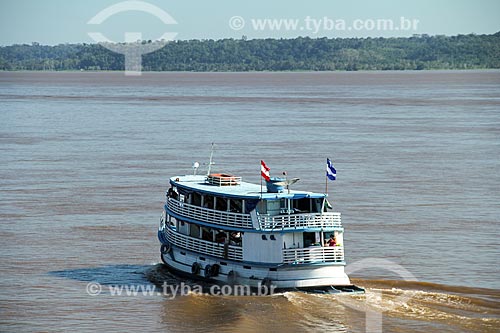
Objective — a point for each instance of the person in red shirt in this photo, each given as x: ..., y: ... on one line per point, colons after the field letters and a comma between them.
x: 332, y: 241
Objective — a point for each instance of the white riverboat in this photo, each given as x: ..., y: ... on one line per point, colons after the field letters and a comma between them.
x: 219, y: 228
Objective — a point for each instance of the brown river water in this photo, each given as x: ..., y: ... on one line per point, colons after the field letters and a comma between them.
x: 86, y: 157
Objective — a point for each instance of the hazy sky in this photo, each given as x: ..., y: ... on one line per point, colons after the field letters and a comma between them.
x: 65, y: 21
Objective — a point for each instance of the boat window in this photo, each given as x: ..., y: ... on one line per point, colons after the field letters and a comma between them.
x: 172, y: 192
x: 316, y: 205
x: 310, y: 239
x: 272, y: 237
x: 183, y: 227
x: 301, y: 205
x: 194, y: 231
x: 262, y: 207
x: 250, y: 205
x: 264, y: 237
x: 285, y: 206
x: 208, y: 201
x: 283, y: 203
x: 221, y: 204
x: 236, y: 206
x: 207, y: 234
x: 273, y: 207
x: 220, y: 237
x: 196, y: 199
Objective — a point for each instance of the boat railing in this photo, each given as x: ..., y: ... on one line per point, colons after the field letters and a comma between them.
x: 201, y: 246
x: 299, y: 221
x: 313, y: 255
x: 209, y: 215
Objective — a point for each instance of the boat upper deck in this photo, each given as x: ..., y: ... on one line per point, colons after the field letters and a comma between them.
x: 237, y: 189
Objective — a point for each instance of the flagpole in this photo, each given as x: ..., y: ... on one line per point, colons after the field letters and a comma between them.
x: 260, y: 186
x: 264, y: 173
x: 326, y: 179
x: 322, y: 233
x: 331, y: 174
x: 326, y: 184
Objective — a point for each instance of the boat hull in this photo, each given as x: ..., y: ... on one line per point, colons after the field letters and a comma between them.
x: 254, y: 274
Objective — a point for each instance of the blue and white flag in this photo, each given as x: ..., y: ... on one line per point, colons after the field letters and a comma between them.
x: 331, y: 173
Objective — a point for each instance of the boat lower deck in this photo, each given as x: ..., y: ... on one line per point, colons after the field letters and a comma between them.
x: 233, y: 272
x: 263, y: 287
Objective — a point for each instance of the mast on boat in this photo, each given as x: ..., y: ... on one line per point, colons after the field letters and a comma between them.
x: 210, y: 163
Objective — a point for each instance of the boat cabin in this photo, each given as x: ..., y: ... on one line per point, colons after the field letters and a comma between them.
x: 232, y: 216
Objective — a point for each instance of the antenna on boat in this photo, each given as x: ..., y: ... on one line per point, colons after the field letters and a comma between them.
x: 210, y: 163
x: 196, y: 165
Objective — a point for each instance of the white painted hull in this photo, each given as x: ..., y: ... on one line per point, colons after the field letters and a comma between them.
x: 284, y: 277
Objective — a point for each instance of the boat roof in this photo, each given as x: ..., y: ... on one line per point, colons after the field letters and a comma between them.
x: 242, y: 190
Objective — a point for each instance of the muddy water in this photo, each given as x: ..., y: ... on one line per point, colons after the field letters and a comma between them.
x: 85, y: 159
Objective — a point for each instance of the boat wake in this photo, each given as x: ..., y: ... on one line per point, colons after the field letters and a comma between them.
x: 404, y: 305
x: 463, y: 308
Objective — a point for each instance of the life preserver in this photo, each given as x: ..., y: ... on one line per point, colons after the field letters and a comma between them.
x: 265, y: 286
x: 195, y: 268
x: 232, y: 277
x: 215, y: 270
x: 165, y: 248
x: 208, y: 271
x: 163, y: 260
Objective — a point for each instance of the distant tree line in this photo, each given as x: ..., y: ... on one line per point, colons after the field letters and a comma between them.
x: 302, y: 53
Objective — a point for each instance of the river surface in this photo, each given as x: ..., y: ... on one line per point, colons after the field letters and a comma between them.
x: 86, y: 157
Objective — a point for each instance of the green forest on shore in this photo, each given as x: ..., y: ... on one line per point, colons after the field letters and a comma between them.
x: 303, y: 53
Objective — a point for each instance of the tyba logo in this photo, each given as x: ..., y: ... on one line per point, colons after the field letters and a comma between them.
x: 132, y: 48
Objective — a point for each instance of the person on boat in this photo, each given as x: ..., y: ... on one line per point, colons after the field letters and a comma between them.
x: 332, y: 241
x: 220, y: 237
x: 235, y: 238
x: 172, y: 193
